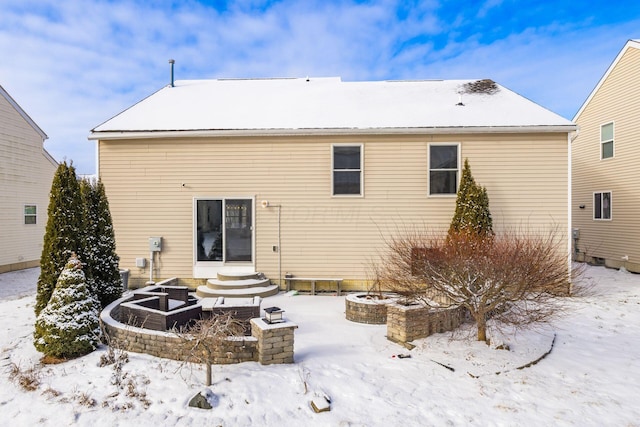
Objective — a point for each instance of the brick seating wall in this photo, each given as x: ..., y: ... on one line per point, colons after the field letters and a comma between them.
x: 268, y: 344
x: 407, y: 323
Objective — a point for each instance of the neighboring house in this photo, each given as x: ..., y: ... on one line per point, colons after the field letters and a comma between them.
x: 605, y: 167
x: 309, y: 176
x: 26, y: 172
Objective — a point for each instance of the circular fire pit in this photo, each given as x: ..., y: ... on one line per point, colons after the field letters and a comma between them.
x: 368, y: 307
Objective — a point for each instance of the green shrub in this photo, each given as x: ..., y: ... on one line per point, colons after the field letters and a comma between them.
x: 69, y: 324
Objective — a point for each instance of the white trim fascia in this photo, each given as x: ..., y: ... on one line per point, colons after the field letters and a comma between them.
x: 49, y: 157
x: 97, y: 158
x: 23, y: 113
x: 635, y: 44
x: 117, y: 135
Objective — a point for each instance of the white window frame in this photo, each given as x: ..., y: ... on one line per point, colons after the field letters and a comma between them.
x: 612, y: 141
x: 601, y: 208
x: 361, y: 170
x: 458, y: 171
x: 25, y: 215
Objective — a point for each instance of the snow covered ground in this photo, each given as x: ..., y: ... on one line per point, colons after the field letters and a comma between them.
x: 590, y: 378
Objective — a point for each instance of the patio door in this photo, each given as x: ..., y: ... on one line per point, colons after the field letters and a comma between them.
x: 238, y: 230
x: 223, y: 232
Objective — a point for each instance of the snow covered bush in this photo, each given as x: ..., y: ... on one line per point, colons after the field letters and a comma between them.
x: 69, y: 324
x: 472, y: 207
x: 99, y: 244
x: 62, y: 234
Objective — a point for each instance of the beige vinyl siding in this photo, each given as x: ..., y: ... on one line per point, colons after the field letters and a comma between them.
x: 321, y: 235
x: 25, y: 179
x: 617, y: 100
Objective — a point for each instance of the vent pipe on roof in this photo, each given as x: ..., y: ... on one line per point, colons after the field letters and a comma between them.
x: 172, y: 61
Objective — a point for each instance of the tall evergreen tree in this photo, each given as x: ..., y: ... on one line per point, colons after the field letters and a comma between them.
x: 88, y: 235
x: 472, y: 213
x: 69, y: 325
x: 62, y: 235
x: 99, y: 244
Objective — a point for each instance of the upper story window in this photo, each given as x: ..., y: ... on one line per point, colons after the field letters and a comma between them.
x: 606, y: 141
x: 602, y: 205
x: 444, y: 169
x: 30, y: 214
x: 347, y: 170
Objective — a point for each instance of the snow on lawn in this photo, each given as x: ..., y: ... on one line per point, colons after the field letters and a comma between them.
x: 590, y: 378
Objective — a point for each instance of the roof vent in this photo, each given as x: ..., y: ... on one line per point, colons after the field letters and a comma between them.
x: 171, y: 62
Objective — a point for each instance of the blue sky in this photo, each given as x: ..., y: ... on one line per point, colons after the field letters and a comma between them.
x: 74, y: 64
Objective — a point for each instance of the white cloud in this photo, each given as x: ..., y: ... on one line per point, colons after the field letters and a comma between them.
x: 73, y: 65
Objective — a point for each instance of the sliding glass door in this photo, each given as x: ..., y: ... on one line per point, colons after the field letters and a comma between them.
x: 224, y: 230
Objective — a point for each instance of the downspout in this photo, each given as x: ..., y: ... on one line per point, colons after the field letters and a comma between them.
x: 570, y: 243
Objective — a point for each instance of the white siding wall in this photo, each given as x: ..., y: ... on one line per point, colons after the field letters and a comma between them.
x: 618, y: 101
x: 25, y: 179
x: 526, y: 177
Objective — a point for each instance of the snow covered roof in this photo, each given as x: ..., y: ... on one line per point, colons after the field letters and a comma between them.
x: 329, y: 105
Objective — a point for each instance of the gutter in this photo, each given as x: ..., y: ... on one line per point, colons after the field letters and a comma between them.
x: 202, y: 133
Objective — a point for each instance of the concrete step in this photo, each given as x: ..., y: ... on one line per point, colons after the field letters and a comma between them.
x: 237, y: 284
x: 258, y: 291
x: 233, y: 275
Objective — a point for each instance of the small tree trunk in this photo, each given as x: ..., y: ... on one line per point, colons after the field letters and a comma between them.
x: 482, y: 328
x: 209, y: 374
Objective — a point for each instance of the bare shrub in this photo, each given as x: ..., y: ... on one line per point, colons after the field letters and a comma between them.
x: 84, y: 399
x: 511, y: 279
x: 201, y: 341
x: 51, y: 393
x: 27, y: 379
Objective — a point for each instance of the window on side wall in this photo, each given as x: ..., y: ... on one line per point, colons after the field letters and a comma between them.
x: 602, y: 205
x: 30, y: 214
x: 444, y: 164
x: 347, y: 170
x: 606, y: 141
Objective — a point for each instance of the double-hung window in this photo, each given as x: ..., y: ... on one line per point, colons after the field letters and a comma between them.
x: 602, y: 205
x: 606, y: 141
x: 347, y: 170
x: 444, y: 169
x: 30, y: 214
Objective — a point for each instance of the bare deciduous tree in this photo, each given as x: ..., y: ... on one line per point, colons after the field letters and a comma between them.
x: 206, y: 337
x: 511, y: 278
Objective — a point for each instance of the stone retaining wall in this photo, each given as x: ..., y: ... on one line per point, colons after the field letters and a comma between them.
x: 364, y: 308
x: 269, y: 344
x: 407, y: 323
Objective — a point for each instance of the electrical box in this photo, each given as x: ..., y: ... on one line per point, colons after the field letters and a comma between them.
x: 141, y: 262
x: 576, y: 233
x: 155, y: 244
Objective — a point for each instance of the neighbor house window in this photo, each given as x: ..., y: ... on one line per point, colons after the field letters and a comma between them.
x: 602, y: 205
x: 347, y: 170
x: 606, y: 141
x: 30, y: 214
x: 443, y: 169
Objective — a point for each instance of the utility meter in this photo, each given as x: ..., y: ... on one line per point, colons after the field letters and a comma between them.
x: 155, y: 244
